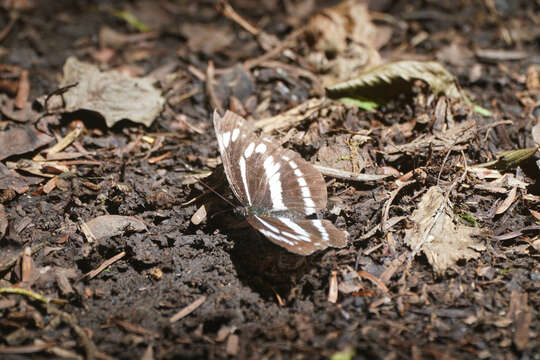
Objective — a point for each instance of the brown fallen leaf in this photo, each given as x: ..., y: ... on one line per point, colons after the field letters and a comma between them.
x: 333, y: 29
x: 20, y: 140
x: 207, y: 38
x: 10, y: 180
x: 503, y: 206
x: 40, y: 168
x: 111, y: 225
x: 344, y: 41
x: 437, y: 236
x: 112, y: 94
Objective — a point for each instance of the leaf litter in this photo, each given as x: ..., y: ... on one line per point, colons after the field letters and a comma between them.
x: 436, y: 233
x: 389, y: 173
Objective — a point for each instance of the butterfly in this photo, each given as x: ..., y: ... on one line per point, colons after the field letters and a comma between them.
x: 276, y: 187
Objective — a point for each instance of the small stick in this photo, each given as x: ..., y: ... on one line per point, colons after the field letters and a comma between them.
x: 348, y: 175
x: 214, y: 100
x: 188, y: 309
x: 92, y: 274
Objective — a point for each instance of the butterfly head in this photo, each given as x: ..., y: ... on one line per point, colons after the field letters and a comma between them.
x: 250, y: 210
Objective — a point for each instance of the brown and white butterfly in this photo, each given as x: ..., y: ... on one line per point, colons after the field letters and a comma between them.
x: 276, y: 187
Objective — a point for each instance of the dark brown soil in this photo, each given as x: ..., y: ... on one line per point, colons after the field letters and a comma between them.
x: 260, y: 301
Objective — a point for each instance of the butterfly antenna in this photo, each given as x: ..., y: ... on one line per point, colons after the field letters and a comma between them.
x: 217, y: 193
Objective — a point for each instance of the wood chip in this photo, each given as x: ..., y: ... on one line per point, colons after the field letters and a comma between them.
x: 65, y: 141
x: 333, y: 288
x: 3, y: 221
x: 232, y: 345
x: 50, y: 185
x: 27, y: 265
x: 23, y: 90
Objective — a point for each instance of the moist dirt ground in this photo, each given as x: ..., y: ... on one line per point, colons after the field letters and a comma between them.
x: 159, y: 284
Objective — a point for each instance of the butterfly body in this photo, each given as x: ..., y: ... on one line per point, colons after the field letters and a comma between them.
x: 275, y: 187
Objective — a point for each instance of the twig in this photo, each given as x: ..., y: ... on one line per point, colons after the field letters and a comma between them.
x: 230, y: 13
x: 26, y: 349
x: 32, y: 295
x: 89, y: 347
x: 297, y: 72
x: 275, y: 51
x: 92, y: 274
x: 5, y: 31
x: 215, y: 103
x: 348, y: 175
x: 291, y: 117
x: 65, y: 141
x: 373, y: 279
x: 188, y: 309
x: 391, y: 270
x: 388, y: 203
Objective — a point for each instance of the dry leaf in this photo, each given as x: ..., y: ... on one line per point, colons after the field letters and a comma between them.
x: 437, y: 236
x: 333, y: 29
x: 20, y: 140
x: 112, y: 94
x: 387, y: 81
x: 207, y: 38
x: 507, y: 202
x: 110, y: 225
x: 344, y: 41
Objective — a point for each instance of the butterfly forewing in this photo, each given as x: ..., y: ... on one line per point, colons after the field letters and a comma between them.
x: 301, y: 237
x: 232, y: 136
x: 265, y: 175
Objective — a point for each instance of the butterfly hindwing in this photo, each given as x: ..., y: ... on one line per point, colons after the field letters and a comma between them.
x: 300, y: 236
